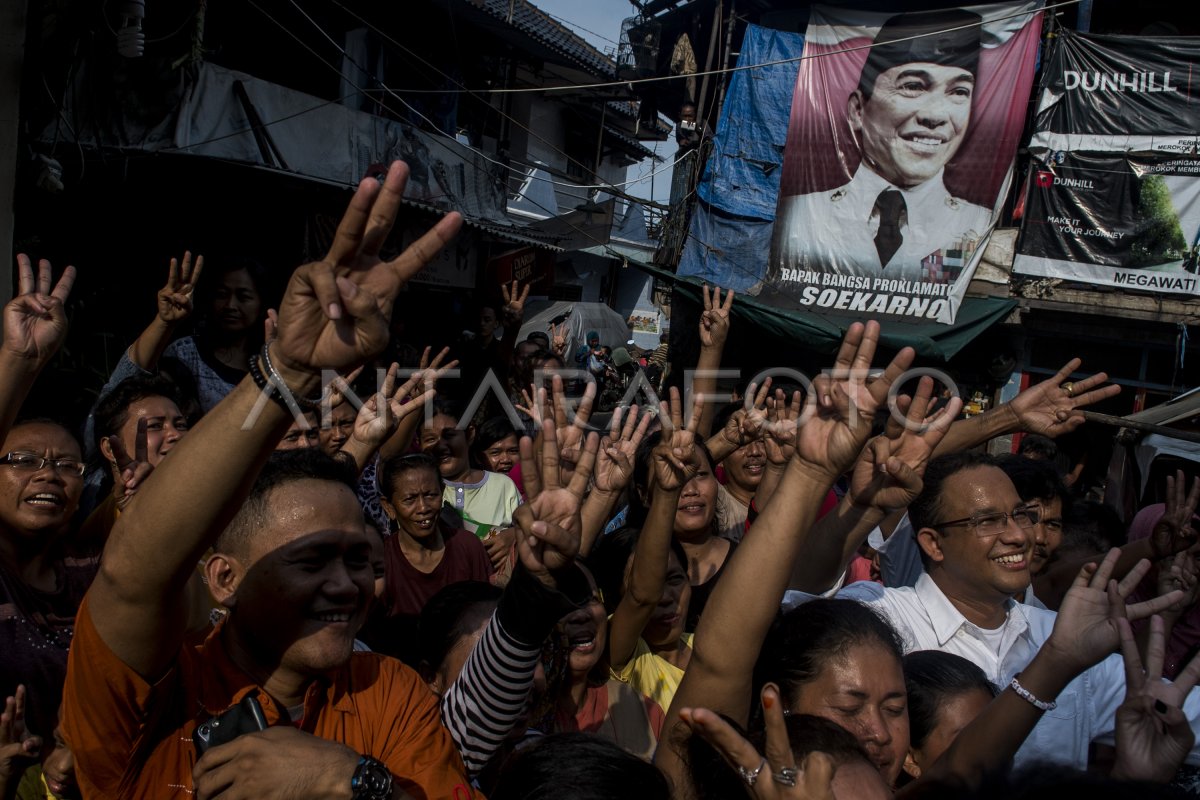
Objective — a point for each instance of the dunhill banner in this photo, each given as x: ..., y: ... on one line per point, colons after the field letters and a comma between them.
x: 1113, y: 197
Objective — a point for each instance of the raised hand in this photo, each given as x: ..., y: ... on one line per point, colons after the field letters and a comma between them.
x: 175, y: 299
x: 571, y: 431
x: 1153, y: 735
x: 887, y: 475
x: 747, y: 425
x: 1183, y: 574
x: 1051, y: 408
x: 550, y: 523
x: 614, y: 462
x: 775, y: 776
x: 842, y: 403
x: 270, y: 325
x: 335, y: 312
x: 383, y: 411
x: 35, y: 322
x: 1086, y: 629
x: 714, y: 321
x: 133, y: 470
x: 17, y: 748
x: 1174, y: 530
x: 674, y: 459
x: 781, y: 427
x: 514, y: 303
x: 558, y: 339
x: 336, y: 390
x: 432, y: 370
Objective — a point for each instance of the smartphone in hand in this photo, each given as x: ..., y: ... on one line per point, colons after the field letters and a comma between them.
x: 246, y: 717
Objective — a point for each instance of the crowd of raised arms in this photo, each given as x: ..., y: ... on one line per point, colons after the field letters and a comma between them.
x: 247, y: 583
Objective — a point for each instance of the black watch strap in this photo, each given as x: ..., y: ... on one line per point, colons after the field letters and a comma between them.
x: 371, y: 781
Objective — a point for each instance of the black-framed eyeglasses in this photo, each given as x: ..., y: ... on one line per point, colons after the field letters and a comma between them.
x: 996, y: 522
x: 32, y: 462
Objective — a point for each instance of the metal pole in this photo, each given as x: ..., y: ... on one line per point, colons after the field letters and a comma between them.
x: 1148, y: 427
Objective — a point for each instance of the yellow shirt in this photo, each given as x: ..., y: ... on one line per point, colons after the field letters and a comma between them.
x: 651, y: 675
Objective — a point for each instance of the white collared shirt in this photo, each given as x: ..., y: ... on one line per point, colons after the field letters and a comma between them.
x: 927, y: 620
x: 834, y: 231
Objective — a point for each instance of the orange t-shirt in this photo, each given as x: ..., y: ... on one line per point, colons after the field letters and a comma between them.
x: 133, y: 740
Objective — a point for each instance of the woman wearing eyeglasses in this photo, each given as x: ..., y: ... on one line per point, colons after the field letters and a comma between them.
x: 41, y: 480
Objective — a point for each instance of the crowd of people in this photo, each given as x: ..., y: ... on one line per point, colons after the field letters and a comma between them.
x: 273, y: 564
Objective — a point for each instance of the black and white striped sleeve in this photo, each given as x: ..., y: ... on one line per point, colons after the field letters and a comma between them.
x: 488, y: 698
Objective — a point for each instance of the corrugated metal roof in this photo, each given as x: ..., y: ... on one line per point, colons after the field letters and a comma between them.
x: 536, y: 23
x: 510, y: 233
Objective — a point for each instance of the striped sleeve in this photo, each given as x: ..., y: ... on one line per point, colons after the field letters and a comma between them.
x: 489, y: 697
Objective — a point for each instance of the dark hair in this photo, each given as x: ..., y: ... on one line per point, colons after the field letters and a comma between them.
x: 282, y: 468
x: 713, y: 778
x: 112, y: 412
x: 1034, y: 445
x: 926, y: 508
x: 453, y: 612
x: 1091, y: 527
x: 578, y: 766
x: 721, y: 418
x: 1045, y: 781
x: 222, y: 266
x: 638, y: 510
x: 486, y: 435
x: 21, y: 422
x: 932, y: 679
x: 803, y: 640
x: 610, y: 557
x: 396, y: 466
x: 448, y: 407
x: 1034, y: 479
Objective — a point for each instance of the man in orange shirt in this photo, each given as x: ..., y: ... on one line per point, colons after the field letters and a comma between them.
x: 293, y: 568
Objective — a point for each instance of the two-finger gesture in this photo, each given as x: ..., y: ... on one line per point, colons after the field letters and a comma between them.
x: 674, y: 458
x: 558, y: 339
x: 35, y: 321
x: 132, y: 470
x: 335, y: 312
x: 176, y: 298
x: 775, y: 775
x: 714, y: 320
x: 17, y: 747
x: 513, y: 310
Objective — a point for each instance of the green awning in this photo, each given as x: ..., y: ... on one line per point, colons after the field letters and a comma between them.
x: 932, y: 340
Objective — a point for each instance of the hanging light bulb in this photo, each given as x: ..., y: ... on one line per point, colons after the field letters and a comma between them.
x: 131, y: 41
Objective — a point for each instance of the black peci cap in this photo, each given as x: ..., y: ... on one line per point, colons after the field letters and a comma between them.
x: 934, y: 44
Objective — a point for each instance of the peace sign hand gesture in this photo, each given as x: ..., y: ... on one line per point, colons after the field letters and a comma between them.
x: 175, y: 299
x: 335, y: 312
x: 784, y: 779
x: 1050, y: 408
x: 133, y: 470
x: 17, y: 747
x: 35, y: 322
x: 714, y: 322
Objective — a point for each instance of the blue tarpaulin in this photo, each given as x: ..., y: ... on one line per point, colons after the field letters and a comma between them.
x: 730, y: 236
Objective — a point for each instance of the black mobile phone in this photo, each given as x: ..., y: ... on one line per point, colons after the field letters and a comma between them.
x: 246, y: 717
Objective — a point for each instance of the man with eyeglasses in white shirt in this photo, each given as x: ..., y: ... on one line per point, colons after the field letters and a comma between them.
x: 976, y: 540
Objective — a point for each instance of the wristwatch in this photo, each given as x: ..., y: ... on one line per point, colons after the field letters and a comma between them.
x: 371, y: 780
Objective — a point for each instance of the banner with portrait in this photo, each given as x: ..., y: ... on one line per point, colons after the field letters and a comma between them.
x: 1114, y: 192
x: 899, y: 154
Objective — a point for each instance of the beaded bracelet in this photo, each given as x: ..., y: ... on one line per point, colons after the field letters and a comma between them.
x: 265, y: 385
x: 1028, y: 697
x: 306, y: 403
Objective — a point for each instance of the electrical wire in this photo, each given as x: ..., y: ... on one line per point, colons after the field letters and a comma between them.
x: 630, y: 83
x: 388, y: 38
x: 573, y: 26
x: 433, y: 126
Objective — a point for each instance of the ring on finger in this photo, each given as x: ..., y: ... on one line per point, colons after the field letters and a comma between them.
x: 787, y: 776
x: 750, y: 776
x: 1069, y: 388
